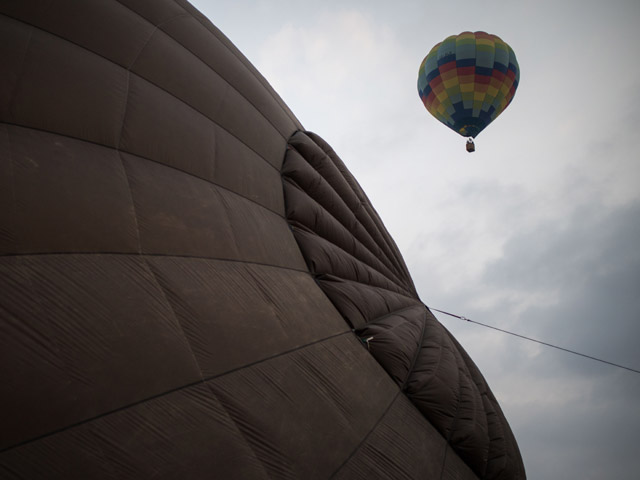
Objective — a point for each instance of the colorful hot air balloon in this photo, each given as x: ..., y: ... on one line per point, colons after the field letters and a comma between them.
x: 467, y: 80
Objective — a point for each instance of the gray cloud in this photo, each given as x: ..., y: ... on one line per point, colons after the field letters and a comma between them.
x: 569, y: 413
x: 591, y: 265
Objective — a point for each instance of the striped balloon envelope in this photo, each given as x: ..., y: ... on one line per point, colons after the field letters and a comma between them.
x: 467, y: 80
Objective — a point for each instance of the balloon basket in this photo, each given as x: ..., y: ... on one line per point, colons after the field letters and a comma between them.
x: 471, y: 147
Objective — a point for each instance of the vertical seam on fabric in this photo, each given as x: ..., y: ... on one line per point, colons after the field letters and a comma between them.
x: 366, y: 437
x: 13, y: 241
x: 186, y: 14
x: 192, y: 107
x: 271, y: 91
x: 118, y: 142
x: 238, y: 428
x: 444, y: 458
x: 144, y: 258
x: 451, y: 430
x: 23, y: 62
x: 124, y: 167
x: 163, y: 289
x: 417, y: 354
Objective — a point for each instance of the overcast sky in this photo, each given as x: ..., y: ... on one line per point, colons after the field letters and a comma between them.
x: 537, y: 232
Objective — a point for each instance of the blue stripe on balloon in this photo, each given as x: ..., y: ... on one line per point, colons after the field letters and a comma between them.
x: 432, y: 74
x: 500, y: 67
x: 446, y: 59
x: 466, y: 62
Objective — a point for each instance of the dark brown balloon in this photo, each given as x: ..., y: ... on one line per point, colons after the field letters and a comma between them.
x: 192, y: 286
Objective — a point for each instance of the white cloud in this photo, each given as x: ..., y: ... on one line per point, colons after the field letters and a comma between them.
x: 331, y: 63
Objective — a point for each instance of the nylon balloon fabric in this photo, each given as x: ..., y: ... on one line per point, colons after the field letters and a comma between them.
x: 467, y: 80
x: 359, y: 267
x: 194, y: 286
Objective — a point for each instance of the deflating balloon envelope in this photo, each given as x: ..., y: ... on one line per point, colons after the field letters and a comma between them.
x: 467, y: 80
x: 194, y: 286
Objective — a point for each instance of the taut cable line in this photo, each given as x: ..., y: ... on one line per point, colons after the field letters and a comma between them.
x: 534, y: 340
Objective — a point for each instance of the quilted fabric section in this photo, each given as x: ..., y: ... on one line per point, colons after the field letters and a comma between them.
x: 358, y: 266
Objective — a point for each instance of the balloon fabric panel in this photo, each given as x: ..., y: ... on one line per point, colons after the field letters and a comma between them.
x: 358, y: 266
x: 467, y: 80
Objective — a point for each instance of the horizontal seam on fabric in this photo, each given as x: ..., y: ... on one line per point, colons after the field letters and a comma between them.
x: 116, y: 149
x: 397, y: 264
x: 164, y: 90
x: 259, y: 77
x: 281, y: 354
x: 397, y: 260
x: 187, y: 14
x: 361, y: 204
x: 404, y: 290
x: 391, y: 270
x: 168, y: 392
x: 152, y: 255
x: 390, y: 314
x: 16, y: 87
x: 322, y: 276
